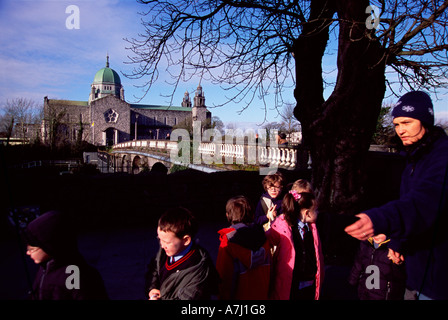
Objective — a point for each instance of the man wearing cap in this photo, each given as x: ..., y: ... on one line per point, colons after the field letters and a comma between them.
x: 416, y: 221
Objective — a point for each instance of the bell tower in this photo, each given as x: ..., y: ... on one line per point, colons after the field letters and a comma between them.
x: 186, y: 102
x: 199, y: 98
x: 199, y: 110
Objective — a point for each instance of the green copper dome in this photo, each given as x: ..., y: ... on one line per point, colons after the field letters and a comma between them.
x: 107, y: 75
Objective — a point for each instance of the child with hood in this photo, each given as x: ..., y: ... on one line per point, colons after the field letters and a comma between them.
x: 64, y: 273
x: 243, y: 261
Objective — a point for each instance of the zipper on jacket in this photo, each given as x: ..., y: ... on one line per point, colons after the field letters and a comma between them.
x: 372, y: 255
x: 388, y: 290
x: 44, y: 272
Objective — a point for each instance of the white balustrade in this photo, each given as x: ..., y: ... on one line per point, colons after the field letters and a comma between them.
x: 233, y: 153
x: 287, y: 158
x: 293, y: 158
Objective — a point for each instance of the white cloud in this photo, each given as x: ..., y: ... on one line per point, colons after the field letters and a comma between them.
x: 40, y: 56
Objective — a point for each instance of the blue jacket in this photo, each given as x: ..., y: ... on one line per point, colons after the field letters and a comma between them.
x: 416, y: 222
x: 261, y: 210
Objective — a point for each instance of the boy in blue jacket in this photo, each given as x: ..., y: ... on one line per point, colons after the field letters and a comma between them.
x: 270, y: 203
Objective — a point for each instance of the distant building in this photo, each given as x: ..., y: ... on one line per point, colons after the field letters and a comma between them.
x: 106, y: 118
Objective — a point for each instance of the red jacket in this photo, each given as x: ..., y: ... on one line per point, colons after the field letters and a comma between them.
x: 243, y: 264
x: 280, y: 235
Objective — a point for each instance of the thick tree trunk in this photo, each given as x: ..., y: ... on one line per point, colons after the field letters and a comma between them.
x: 338, y: 131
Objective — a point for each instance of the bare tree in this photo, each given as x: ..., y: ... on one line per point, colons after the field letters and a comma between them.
x: 217, y: 124
x: 7, y: 121
x: 17, y: 116
x: 338, y: 130
x: 256, y: 47
x: 274, y: 128
x: 55, y: 128
x: 289, y: 122
x: 385, y: 132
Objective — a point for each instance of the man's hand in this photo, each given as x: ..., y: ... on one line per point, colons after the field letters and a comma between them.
x: 361, y: 229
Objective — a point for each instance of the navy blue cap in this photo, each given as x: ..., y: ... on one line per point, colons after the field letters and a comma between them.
x: 416, y: 105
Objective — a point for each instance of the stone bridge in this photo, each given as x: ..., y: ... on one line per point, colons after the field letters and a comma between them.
x: 136, y: 156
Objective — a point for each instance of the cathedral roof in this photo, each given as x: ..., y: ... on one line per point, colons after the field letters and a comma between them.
x: 107, y: 75
x: 159, y: 107
x: 67, y: 102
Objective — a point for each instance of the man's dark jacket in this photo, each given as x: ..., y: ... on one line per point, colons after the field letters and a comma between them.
x: 416, y: 222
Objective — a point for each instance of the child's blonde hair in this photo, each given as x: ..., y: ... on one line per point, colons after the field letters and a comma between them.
x: 302, y: 185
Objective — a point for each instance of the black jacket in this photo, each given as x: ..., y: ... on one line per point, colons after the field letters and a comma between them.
x: 392, y: 277
x: 262, y: 209
x: 197, y: 282
x: 51, y: 232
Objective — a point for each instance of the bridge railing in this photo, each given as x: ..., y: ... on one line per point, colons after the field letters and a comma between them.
x: 252, y: 154
x: 282, y: 156
x: 155, y: 144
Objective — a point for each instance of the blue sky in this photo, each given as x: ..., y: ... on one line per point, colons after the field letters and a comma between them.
x: 40, y: 56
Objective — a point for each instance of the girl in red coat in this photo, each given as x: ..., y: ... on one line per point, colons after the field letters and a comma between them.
x: 298, y: 261
x: 243, y: 261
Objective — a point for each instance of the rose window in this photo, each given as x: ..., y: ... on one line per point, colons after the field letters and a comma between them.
x: 111, y: 116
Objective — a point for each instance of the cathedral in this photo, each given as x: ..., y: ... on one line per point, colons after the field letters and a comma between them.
x: 107, y: 119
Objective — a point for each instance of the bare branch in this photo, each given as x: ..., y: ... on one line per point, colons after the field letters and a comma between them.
x: 245, y: 46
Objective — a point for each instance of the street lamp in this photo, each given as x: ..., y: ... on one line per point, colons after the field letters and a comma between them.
x: 136, y: 120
